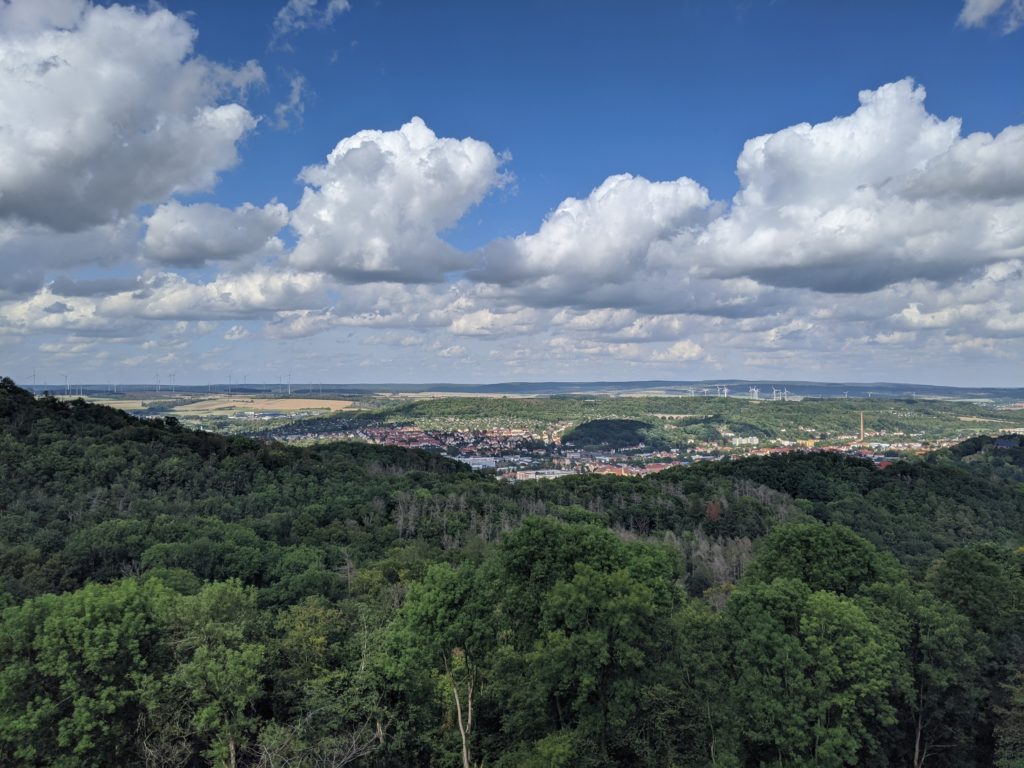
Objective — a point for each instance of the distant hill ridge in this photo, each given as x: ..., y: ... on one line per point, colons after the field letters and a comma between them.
x: 736, y: 387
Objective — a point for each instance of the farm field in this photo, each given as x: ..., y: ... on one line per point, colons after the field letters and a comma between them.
x: 224, y: 412
x: 220, y: 405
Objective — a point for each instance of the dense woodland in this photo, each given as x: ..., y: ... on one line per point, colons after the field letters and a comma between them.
x: 600, y: 434
x: 179, y: 598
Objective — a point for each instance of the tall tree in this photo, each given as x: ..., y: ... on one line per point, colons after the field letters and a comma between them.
x: 219, y: 669
x: 1010, y: 726
x: 813, y: 675
x: 74, y: 670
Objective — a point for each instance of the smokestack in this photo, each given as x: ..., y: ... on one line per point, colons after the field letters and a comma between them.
x: 862, y: 426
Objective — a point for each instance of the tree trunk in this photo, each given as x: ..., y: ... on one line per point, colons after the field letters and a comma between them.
x: 464, y: 727
x: 918, y: 728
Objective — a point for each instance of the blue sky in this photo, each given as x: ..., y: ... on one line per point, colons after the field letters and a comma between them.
x: 579, y: 91
x: 569, y: 205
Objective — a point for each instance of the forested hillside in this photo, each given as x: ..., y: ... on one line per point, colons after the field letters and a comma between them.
x: 177, y: 598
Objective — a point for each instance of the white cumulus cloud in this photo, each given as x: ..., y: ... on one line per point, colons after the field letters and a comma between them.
x: 487, y: 322
x: 109, y: 111
x: 29, y: 252
x: 191, y: 235
x: 682, y: 350
x: 375, y: 209
x: 167, y: 295
x: 887, y: 194
x: 606, y: 236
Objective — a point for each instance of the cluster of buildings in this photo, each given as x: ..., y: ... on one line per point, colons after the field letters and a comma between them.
x: 268, y: 415
x: 493, y: 447
x: 518, y: 454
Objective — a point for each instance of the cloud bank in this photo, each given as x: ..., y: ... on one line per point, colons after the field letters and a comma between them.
x: 879, y: 241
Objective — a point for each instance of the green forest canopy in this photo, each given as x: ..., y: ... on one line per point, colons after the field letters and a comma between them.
x: 182, y: 598
x: 611, y: 433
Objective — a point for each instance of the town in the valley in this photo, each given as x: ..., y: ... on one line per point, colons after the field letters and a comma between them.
x: 530, y: 435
